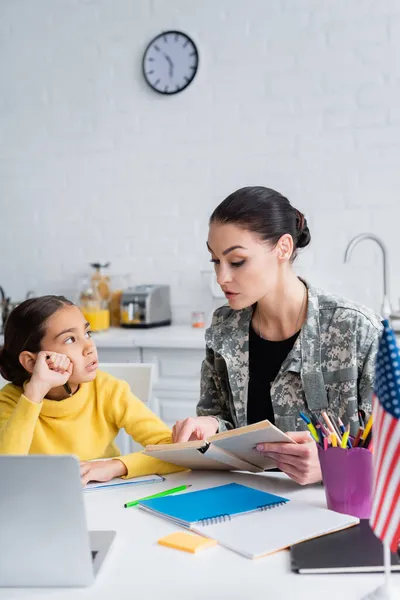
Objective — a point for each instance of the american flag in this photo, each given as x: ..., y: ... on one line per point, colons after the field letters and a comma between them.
x: 385, y: 514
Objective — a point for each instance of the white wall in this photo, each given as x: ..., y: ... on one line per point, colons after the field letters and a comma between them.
x: 299, y: 95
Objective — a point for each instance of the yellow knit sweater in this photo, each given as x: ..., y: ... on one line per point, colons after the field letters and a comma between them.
x: 85, y: 424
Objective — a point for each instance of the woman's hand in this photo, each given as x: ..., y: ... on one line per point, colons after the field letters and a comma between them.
x: 194, y: 428
x: 51, y: 370
x: 102, y: 470
x: 299, y: 461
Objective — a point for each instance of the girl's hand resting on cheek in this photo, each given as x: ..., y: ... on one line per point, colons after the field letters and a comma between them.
x: 102, y: 470
x: 299, y: 461
x: 51, y: 370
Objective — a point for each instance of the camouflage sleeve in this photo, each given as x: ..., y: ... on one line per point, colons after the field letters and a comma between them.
x: 367, y: 376
x: 212, y: 403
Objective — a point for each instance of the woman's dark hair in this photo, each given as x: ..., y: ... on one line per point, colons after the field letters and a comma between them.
x: 265, y: 212
x: 24, y: 330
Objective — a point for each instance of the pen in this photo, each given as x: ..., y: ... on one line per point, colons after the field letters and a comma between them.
x: 313, y: 432
x: 334, y: 440
x: 358, y: 437
x: 336, y: 428
x: 65, y: 386
x: 320, y: 434
x: 310, y: 427
x: 306, y: 419
x: 367, y: 441
x: 159, y: 495
x: 366, y: 431
x: 341, y: 426
x: 345, y: 438
x: 325, y: 431
x: 67, y: 389
x: 330, y: 427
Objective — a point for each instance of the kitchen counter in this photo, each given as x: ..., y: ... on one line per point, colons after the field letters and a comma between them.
x: 173, y: 336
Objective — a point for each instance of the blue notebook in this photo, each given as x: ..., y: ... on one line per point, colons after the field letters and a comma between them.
x: 212, y: 505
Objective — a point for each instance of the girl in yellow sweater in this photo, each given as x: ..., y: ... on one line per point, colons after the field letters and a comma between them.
x: 47, y: 343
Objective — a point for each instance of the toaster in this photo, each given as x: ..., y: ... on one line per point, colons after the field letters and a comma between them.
x: 146, y: 306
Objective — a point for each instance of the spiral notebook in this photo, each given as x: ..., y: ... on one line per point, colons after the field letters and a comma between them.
x: 259, y: 534
x: 212, y: 505
x: 248, y: 521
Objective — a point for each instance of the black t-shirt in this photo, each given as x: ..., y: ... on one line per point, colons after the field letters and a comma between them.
x: 265, y: 360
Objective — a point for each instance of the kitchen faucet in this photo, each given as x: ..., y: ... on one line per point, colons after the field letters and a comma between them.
x: 386, y: 308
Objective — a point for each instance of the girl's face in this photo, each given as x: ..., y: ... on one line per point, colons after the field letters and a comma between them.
x: 246, y: 267
x: 67, y: 332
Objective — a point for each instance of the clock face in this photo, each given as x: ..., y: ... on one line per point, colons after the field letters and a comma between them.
x: 170, y: 62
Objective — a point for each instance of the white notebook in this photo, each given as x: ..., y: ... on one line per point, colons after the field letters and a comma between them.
x: 261, y: 533
x: 118, y: 481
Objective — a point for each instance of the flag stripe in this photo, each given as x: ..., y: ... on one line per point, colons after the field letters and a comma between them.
x: 389, y: 530
x: 383, y: 494
x: 389, y: 503
x: 380, y: 431
x: 377, y: 462
x: 386, y: 467
x: 385, y: 513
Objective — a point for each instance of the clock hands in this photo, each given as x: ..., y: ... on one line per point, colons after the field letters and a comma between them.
x: 171, y: 65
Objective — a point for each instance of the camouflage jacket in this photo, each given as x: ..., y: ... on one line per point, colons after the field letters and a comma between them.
x: 330, y: 367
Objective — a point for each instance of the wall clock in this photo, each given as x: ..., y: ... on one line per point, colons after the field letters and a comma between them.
x: 170, y: 62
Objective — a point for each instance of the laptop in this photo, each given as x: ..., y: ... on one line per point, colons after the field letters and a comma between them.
x: 44, y: 537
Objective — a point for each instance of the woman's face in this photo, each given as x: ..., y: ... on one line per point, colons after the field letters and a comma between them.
x: 247, y: 268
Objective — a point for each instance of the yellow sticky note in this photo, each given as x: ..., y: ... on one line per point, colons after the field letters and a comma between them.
x: 188, y: 542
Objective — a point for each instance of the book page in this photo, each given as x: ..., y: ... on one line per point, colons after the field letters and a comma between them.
x: 260, y: 426
x: 242, y: 442
x: 233, y: 462
x: 178, y: 446
x: 191, y: 458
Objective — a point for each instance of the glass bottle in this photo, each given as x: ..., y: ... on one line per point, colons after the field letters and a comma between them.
x: 95, y: 297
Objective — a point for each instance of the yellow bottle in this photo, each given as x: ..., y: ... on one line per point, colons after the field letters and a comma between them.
x: 95, y: 298
x: 98, y: 319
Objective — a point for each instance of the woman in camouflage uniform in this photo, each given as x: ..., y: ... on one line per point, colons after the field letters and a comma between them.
x: 280, y: 346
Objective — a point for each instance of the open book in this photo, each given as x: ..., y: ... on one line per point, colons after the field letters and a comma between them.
x: 226, y: 451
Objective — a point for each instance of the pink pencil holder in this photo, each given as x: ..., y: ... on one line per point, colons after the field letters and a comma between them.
x: 347, y: 478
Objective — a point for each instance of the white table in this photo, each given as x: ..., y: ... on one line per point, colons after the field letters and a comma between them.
x: 137, y: 568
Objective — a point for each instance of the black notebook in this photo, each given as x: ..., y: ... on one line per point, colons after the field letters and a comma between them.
x: 353, y: 550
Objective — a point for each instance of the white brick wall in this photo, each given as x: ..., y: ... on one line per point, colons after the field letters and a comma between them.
x: 299, y: 95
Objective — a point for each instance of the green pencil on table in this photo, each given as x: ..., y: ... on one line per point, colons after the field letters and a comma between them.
x: 181, y: 488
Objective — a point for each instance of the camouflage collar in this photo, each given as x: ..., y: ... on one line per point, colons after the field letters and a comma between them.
x: 233, y: 332
x: 230, y: 339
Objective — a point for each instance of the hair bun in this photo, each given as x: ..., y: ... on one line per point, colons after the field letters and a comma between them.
x: 304, y: 235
